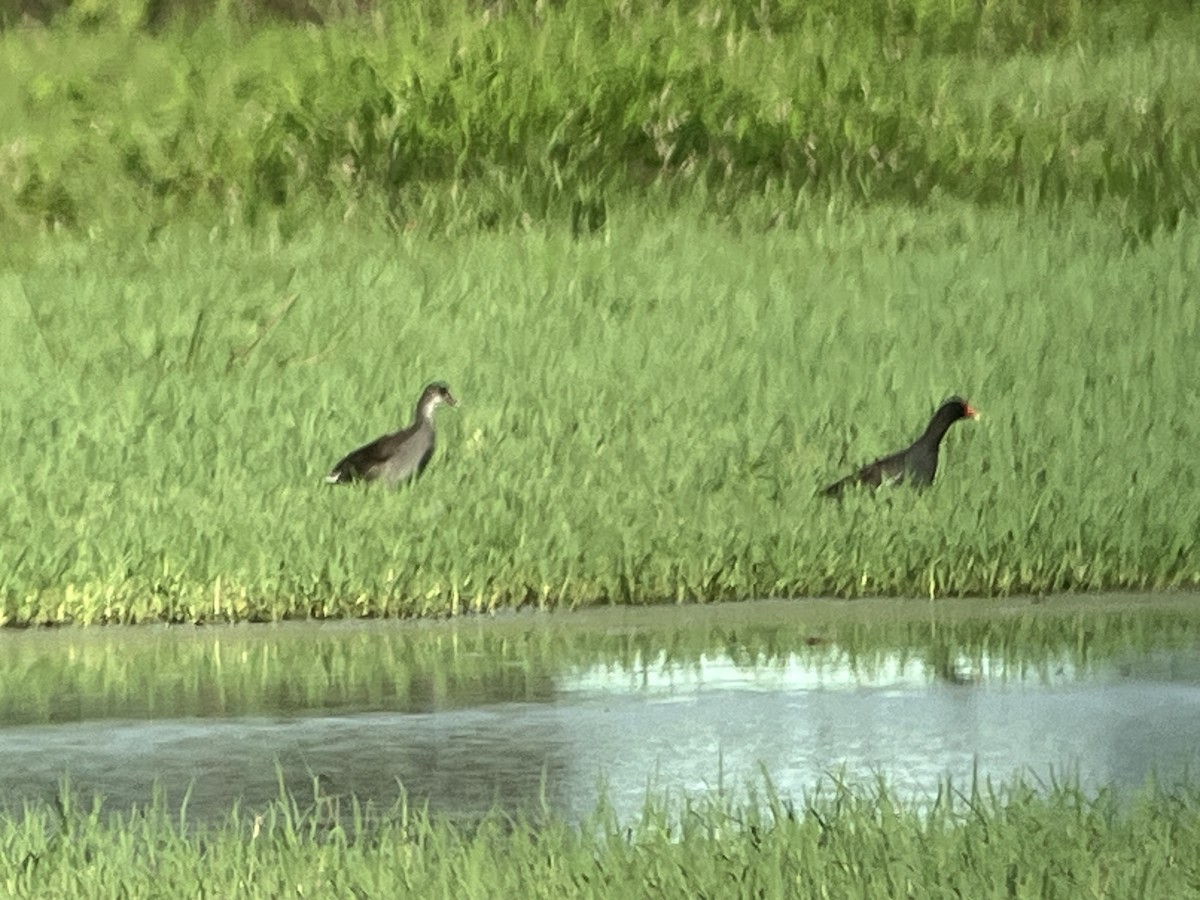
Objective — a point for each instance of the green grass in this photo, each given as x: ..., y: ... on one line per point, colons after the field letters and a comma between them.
x: 977, y: 841
x: 460, y: 116
x: 644, y: 418
x: 683, y: 264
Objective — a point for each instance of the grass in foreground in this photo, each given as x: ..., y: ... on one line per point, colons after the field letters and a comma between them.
x: 643, y: 419
x: 1011, y: 841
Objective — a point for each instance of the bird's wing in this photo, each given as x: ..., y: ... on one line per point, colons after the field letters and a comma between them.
x: 358, y: 462
x: 888, y: 469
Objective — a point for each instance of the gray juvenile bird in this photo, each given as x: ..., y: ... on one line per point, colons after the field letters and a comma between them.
x: 399, y: 456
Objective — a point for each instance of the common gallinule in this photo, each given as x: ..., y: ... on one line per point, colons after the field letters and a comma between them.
x: 916, y: 464
x: 399, y: 456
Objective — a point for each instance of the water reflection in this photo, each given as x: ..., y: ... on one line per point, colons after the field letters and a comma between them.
x: 511, y: 720
x: 715, y: 723
x: 831, y: 671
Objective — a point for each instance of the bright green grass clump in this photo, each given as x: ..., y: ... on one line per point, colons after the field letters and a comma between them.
x: 643, y: 418
x: 1008, y: 841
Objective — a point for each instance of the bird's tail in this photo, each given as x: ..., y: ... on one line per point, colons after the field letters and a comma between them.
x: 835, y: 490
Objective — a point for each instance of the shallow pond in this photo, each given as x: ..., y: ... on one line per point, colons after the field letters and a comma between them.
x: 526, y: 710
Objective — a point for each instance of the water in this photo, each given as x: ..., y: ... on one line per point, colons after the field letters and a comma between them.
x: 528, y: 715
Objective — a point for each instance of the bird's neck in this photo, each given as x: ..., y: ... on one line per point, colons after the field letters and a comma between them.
x: 424, y: 413
x: 937, y: 429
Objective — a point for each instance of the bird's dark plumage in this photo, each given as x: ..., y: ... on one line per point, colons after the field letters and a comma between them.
x: 399, y: 456
x: 917, y: 463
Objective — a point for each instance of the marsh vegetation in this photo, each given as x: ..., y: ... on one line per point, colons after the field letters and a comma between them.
x: 643, y: 419
x: 979, y: 840
x: 683, y: 265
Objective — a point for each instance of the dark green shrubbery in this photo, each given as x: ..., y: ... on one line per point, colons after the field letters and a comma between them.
x: 489, y: 114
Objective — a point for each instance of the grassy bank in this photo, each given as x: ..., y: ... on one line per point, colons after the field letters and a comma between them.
x: 682, y: 264
x: 644, y: 418
x: 981, y: 841
x: 459, y: 116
